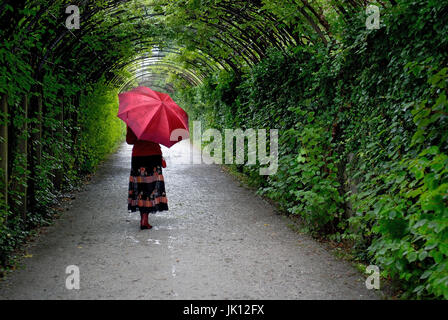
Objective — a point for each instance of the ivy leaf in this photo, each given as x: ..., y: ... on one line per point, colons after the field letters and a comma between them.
x: 412, y: 256
x: 422, y: 255
x: 426, y: 274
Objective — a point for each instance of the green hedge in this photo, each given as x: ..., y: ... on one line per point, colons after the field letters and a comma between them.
x: 102, y: 129
x: 89, y: 132
x: 363, y: 138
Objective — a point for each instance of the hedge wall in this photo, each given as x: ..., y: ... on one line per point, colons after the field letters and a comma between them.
x: 363, y: 128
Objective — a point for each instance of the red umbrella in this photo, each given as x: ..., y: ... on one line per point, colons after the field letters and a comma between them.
x: 152, y: 115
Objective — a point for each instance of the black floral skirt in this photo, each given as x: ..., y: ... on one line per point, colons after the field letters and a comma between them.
x: 147, y: 185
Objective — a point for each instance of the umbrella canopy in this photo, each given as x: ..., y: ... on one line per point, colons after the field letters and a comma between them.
x: 152, y: 115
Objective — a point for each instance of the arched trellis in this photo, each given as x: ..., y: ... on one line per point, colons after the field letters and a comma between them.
x: 247, y: 44
x: 193, y: 42
x: 144, y: 60
x: 190, y: 76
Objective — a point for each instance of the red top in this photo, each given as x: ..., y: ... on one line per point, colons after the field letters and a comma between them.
x: 141, y: 147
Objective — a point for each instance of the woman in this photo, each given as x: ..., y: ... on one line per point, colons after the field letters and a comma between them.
x: 146, y: 183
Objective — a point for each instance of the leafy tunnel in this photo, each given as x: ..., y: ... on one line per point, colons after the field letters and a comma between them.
x: 49, y: 70
x: 338, y: 93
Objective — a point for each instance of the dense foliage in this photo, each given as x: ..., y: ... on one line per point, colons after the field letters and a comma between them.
x: 363, y: 138
x: 60, y: 126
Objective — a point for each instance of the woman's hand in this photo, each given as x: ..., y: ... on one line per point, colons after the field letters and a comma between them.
x: 131, y: 138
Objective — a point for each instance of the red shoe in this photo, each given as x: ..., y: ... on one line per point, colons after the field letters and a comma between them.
x: 144, y: 224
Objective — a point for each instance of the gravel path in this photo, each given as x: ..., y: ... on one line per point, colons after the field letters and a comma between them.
x: 217, y: 241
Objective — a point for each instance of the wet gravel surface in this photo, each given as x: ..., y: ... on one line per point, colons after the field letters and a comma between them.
x: 218, y: 241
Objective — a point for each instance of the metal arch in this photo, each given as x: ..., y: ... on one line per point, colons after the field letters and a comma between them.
x: 186, y: 74
x: 140, y: 58
x: 194, y: 78
x: 115, y: 6
x: 239, y: 43
x: 150, y: 59
x: 133, y: 68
